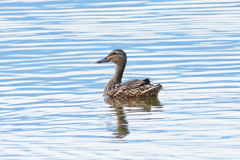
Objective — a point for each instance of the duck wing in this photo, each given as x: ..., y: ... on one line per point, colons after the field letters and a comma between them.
x: 135, y: 83
x: 134, y: 88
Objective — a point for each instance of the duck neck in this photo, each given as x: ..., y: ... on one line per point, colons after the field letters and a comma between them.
x: 117, y: 77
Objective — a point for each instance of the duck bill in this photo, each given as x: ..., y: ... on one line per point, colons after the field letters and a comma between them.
x: 104, y: 60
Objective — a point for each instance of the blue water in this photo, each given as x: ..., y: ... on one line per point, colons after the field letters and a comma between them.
x: 51, y: 89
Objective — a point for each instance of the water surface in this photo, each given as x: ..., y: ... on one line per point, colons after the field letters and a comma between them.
x: 51, y: 89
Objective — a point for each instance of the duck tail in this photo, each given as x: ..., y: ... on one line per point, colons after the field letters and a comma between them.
x: 153, y: 90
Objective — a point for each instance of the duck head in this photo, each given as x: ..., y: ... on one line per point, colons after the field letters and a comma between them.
x: 117, y: 56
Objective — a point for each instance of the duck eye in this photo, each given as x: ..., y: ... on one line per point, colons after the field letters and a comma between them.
x: 113, y: 53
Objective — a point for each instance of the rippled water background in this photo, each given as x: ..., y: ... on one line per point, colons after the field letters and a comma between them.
x: 51, y: 90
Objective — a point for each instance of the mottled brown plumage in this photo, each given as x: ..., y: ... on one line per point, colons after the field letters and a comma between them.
x: 133, y: 88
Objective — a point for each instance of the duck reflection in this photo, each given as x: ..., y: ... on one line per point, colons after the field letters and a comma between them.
x: 136, y: 104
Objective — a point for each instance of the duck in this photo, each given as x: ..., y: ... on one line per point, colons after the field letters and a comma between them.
x: 133, y: 88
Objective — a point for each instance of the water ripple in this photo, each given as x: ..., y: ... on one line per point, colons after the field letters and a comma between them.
x: 51, y: 88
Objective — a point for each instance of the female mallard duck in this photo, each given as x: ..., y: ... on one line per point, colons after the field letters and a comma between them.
x: 134, y: 88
